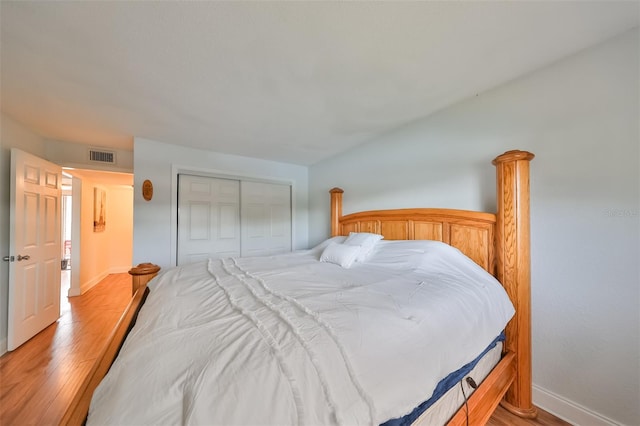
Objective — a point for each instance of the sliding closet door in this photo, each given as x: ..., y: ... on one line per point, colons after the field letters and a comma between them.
x: 265, y: 218
x: 208, y: 218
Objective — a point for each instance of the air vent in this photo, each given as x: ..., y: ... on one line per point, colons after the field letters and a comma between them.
x: 102, y: 156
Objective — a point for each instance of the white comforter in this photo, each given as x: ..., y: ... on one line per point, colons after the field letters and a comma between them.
x: 291, y: 340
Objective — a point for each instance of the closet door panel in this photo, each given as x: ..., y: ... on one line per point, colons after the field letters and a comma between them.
x: 265, y: 218
x: 208, y: 218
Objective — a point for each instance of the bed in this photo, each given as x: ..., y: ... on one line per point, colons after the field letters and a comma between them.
x: 496, y: 243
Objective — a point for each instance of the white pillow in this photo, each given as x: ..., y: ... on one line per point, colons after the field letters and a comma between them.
x: 340, y: 254
x: 366, y: 240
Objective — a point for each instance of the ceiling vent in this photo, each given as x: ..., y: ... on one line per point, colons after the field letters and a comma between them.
x: 102, y: 156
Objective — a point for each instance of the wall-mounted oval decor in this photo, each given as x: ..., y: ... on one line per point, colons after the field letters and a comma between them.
x: 147, y: 190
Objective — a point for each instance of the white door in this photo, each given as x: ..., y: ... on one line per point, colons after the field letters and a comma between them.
x: 208, y: 218
x: 266, y: 218
x: 34, y: 243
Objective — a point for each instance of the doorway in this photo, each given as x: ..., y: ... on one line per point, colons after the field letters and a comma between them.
x: 65, y: 249
x: 65, y: 238
x: 89, y: 254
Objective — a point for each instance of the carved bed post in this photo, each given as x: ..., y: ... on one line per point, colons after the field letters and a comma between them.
x: 336, y: 210
x: 514, y: 270
x: 142, y: 274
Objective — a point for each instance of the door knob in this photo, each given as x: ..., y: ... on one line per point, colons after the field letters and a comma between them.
x: 8, y: 258
x: 26, y: 257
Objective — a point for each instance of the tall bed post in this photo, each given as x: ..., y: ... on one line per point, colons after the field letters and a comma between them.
x: 336, y: 210
x: 514, y: 270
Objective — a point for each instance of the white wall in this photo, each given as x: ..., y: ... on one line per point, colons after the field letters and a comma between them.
x: 109, y: 251
x: 12, y: 135
x: 580, y: 117
x: 120, y: 227
x: 154, y: 221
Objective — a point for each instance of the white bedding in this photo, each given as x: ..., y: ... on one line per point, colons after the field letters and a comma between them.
x: 291, y: 340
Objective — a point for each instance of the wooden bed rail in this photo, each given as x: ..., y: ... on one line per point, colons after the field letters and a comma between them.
x: 483, y: 402
x: 77, y: 411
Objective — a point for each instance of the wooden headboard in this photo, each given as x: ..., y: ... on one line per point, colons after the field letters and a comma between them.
x: 498, y: 242
x: 473, y: 233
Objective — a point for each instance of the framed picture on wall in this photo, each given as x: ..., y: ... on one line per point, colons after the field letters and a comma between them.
x: 99, y: 209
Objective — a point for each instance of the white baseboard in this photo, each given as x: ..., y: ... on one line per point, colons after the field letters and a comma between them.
x: 88, y: 285
x: 3, y: 346
x: 119, y: 269
x: 568, y: 410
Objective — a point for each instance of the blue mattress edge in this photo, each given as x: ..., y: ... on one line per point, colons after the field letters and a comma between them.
x: 443, y: 387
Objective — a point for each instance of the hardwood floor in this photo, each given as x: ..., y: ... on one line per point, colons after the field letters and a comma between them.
x: 502, y: 417
x: 38, y: 380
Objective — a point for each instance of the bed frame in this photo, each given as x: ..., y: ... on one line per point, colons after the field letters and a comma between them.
x: 497, y: 242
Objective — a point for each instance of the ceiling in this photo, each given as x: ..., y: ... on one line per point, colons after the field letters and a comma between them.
x: 294, y: 82
x: 98, y: 176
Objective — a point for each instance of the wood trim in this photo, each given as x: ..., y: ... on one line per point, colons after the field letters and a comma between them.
x: 483, y: 402
x: 514, y: 270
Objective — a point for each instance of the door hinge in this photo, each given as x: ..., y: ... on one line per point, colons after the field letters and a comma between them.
x: 8, y: 258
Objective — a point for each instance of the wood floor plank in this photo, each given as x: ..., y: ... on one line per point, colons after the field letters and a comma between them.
x: 502, y: 417
x: 55, y: 411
